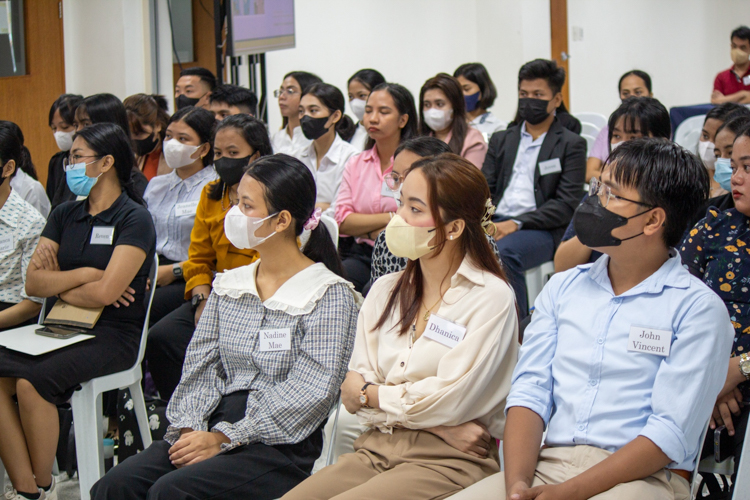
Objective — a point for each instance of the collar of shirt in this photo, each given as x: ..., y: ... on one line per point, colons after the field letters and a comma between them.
x: 732, y: 70
x: 332, y: 156
x: 297, y: 296
x: 12, y: 206
x: 107, y: 216
x: 468, y: 271
x: 528, y: 140
x: 670, y: 274
x: 192, y: 181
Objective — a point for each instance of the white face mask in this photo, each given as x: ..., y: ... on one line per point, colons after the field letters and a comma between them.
x: 358, y: 108
x: 240, y: 229
x: 178, y: 154
x: 438, y: 119
x: 706, y: 152
x: 64, y: 140
x: 614, y: 146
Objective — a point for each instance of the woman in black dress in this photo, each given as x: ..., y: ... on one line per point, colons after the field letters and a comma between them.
x: 92, y: 253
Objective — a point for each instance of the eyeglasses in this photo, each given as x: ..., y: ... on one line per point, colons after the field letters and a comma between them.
x: 288, y: 91
x: 604, y: 192
x: 72, y: 160
x: 393, y: 181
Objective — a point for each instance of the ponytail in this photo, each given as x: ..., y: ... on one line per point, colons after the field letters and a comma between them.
x: 345, y: 127
x: 320, y: 248
x: 26, y: 164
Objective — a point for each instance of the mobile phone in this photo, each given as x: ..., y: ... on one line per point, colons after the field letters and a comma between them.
x: 722, y: 444
x: 57, y: 332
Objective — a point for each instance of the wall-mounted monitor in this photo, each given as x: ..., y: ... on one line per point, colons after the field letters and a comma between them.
x: 259, y: 26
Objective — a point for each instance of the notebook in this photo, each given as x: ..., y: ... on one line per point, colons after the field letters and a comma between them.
x: 25, y: 339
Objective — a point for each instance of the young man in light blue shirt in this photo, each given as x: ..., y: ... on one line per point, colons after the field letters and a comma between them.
x: 624, y: 358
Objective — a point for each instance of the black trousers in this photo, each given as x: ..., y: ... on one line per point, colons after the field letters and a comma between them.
x: 255, y: 471
x: 165, y: 351
x: 167, y: 299
x: 357, y: 261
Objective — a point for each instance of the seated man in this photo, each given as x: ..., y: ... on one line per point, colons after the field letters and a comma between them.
x: 193, y: 88
x: 227, y: 100
x: 733, y: 84
x: 536, y: 172
x: 624, y: 358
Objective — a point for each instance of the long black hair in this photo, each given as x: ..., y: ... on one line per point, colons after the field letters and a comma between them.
x: 332, y: 98
x: 289, y: 185
x: 450, y: 87
x: 255, y: 134
x: 25, y: 163
x: 11, y: 147
x: 110, y: 139
x: 404, y: 102
x: 202, y: 122
x: 105, y: 108
x: 66, y: 104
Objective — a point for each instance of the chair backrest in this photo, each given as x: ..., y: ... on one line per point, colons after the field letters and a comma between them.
x: 596, y: 119
x: 689, y: 131
x: 153, y: 273
x: 333, y: 228
x: 590, y: 129
x: 742, y: 481
x: 590, y: 140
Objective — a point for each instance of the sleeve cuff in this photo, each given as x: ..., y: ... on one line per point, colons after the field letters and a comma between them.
x: 200, y: 279
x: 534, y: 398
x: 237, y: 436
x: 668, y: 437
x: 389, y: 397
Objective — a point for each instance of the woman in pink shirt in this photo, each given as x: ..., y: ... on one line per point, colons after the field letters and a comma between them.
x: 442, y: 113
x: 365, y: 204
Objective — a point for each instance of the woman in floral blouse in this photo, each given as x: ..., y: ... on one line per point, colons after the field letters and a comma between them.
x: 717, y: 250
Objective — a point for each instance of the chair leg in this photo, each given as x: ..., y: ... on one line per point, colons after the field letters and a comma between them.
x: 2, y: 478
x: 139, y: 405
x: 87, y: 422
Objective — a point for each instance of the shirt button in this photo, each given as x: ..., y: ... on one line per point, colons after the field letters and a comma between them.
x: 592, y: 383
x: 402, y: 363
x: 581, y: 427
x: 600, y: 341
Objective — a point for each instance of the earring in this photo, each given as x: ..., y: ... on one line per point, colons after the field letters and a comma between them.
x: 451, y: 237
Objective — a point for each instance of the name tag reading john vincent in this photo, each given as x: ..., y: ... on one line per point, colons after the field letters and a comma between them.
x: 650, y: 341
x: 443, y: 331
x: 278, y: 339
x: 102, y: 235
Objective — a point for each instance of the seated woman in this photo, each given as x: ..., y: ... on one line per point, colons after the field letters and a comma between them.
x: 442, y: 113
x: 359, y: 87
x: 20, y: 228
x: 636, y: 117
x: 290, y: 138
x: 479, y: 95
x: 715, y: 118
x: 635, y: 83
x: 723, y: 264
x: 264, y: 367
x: 110, y: 273
x: 25, y: 181
x: 172, y: 200
x: 148, y: 122
x: 365, y: 205
x: 238, y: 141
x: 62, y: 115
x: 324, y: 123
x: 435, y: 350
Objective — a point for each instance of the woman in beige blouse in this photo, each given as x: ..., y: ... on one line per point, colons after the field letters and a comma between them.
x: 435, y: 349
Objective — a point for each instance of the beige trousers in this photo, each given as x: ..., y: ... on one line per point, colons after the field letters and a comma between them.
x: 557, y: 465
x: 408, y: 465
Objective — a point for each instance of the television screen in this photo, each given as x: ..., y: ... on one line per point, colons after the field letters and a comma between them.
x: 262, y: 25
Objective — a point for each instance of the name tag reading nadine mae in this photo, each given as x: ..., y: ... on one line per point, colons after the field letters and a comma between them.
x: 278, y: 339
x: 443, y: 331
x: 650, y: 341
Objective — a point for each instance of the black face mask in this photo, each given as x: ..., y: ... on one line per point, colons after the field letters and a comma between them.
x: 594, y: 224
x: 313, y: 128
x: 145, y: 146
x: 231, y: 170
x: 184, y: 101
x: 533, y: 110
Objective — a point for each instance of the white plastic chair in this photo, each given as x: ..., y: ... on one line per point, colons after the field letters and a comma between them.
x: 536, y: 278
x: 590, y: 140
x: 590, y: 129
x: 689, y: 131
x: 87, y: 408
x: 596, y: 119
x: 333, y: 228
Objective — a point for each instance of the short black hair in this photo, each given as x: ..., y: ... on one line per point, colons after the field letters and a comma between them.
x: 66, y: 104
x: 743, y: 33
x: 105, y: 108
x: 665, y: 175
x: 650, y: 115
x: 235, y: 96
x: 477, y: 73
x: 202, y: 73
x: 423, y: 146
x: 722, y: 111
x: 640, y: 74
x: 203, y: 123
x: 544, y: 69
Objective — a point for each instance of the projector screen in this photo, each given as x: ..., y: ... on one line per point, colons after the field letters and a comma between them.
x: 262, y: 25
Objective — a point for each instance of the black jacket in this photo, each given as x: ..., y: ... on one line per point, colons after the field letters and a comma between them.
x: 557, y: 194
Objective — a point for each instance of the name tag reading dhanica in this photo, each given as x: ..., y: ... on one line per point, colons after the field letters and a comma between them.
x: 650, y: 341
x: 6, y: 244
x: 278, y: 339
x: 185, y: 209
x: 443, y: 331
x: 102, y: 235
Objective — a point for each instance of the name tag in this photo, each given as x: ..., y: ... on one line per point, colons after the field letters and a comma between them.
x: 650, y: 341
x: 443, y: 331
x: 102, y: 235
x: 279, y: 339
x: 7, y: 244
x: 185, y: 209
x: 746, y: 80
x: 386, y: 191
x: 550, y: 167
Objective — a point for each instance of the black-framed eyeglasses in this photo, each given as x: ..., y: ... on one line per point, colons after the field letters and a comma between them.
x: 604, y: 192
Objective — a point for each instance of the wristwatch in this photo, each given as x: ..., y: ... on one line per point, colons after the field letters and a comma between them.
x: 745, y: 365
x: 177, y: 270
x: 363, y: 399
x: 196, y: 300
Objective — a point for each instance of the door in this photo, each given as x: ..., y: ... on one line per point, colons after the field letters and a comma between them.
x: 26, y: 99
x: 558, y: 10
